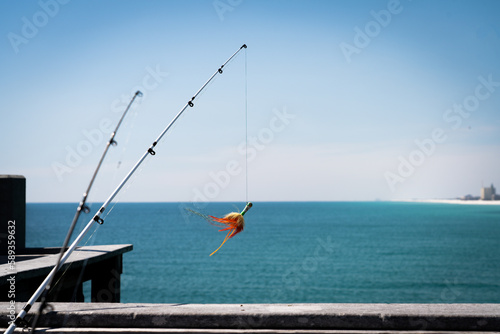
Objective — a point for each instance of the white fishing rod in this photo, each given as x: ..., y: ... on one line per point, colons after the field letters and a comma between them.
x: 81, y: 207
x: 97, y: 217
x: 111, y: 142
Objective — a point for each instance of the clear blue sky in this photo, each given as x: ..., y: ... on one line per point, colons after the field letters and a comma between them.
x: 347, y: 100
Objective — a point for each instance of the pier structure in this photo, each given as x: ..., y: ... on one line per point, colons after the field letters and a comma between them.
x: 101, y: 265
x: 23, y: 269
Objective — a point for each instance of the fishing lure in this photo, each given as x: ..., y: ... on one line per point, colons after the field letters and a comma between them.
x: 232, y: 222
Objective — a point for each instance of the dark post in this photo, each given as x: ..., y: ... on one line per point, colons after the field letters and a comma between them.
x: 106, y: 281
x: 12, y: 214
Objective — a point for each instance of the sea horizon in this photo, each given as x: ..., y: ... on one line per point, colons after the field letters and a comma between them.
x: 412, y: 200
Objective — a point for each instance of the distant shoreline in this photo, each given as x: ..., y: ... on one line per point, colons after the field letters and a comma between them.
x: 452, y: 201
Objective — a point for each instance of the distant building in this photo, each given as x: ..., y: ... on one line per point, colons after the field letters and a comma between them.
x: 469, y: 197
x: 488, y: 193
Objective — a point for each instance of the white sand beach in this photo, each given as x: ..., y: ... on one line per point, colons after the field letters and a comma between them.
x: 452, y: 201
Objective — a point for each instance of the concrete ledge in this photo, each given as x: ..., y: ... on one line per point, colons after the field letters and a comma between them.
x: 271, y: 317
x: 228, y: 331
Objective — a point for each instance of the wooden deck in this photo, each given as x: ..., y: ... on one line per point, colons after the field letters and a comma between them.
x: 102, y: 265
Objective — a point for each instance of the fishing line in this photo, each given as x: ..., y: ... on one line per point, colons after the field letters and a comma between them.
x: 124, y: 191
x: 78, y: 250
x: 246, y: 129
x: 97, y: 217
x: 129, y: 126
x: 126, y: 188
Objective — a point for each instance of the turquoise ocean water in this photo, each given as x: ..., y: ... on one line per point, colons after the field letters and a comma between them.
x: 311, y: 252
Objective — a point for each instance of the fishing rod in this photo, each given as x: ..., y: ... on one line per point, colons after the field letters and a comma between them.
x: 81, y: 207
x: 97, y: 217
